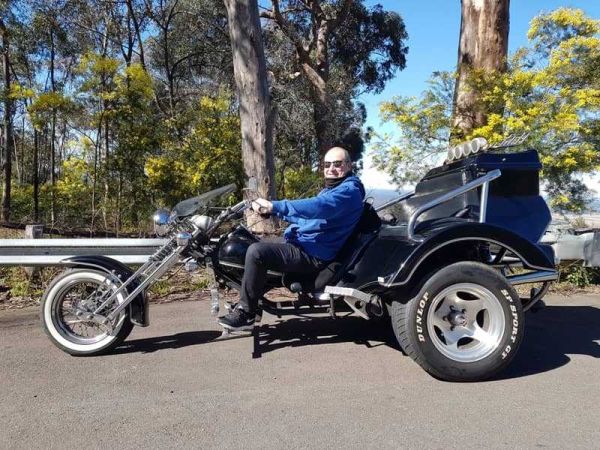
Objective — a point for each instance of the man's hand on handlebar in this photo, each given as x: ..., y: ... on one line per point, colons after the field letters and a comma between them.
x: 262, y: 206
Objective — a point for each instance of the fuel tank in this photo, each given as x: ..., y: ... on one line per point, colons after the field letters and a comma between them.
x: 232, y: 252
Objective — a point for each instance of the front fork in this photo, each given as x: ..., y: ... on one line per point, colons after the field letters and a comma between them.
x: 158, y: 264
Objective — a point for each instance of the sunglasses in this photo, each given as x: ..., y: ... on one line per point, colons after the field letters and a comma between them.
x: 336, y: 164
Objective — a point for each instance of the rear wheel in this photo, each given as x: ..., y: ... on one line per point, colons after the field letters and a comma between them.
x: 67, y: 305
x: 466, y: 324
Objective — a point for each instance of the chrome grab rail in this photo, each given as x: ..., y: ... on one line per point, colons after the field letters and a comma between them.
x: 394, y: 201
x: 484, y: 180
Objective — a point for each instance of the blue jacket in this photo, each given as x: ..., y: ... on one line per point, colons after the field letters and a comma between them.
x: 321, y: 224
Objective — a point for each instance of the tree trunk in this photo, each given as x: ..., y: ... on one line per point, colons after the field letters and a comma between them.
x: 7, y: 125
x: 36, y: 180
x: 325, y: 128
x: 136, y: 27
x: 483, y: 45
x: 52, y: 135
x: 256, y: 116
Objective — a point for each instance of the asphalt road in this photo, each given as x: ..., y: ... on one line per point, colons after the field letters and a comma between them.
x: 319, y: 384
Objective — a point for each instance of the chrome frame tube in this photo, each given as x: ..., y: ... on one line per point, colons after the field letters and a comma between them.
x: 157, y: 273
x: 492, y: 175
x: 152, y: 262
x: 394, y: 201
x: 485, y: 189
x: 533, y: 277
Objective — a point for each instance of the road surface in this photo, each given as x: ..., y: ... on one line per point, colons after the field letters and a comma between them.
x: 319, y: 384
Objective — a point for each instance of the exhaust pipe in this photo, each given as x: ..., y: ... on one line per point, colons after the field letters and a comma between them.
x: 533, y: 277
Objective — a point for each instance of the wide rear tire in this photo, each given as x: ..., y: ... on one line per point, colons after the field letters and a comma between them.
x: 465, y: 324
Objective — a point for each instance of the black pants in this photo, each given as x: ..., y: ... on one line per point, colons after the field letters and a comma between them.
x: 277, y: 256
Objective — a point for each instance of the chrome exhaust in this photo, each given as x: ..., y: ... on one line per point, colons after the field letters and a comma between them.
x: 533, y: 277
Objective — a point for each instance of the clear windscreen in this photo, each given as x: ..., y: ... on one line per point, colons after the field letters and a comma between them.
x: 191, y: 205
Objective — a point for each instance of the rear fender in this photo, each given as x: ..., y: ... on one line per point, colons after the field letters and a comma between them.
x: 138, y: 308
x: 466, y: 237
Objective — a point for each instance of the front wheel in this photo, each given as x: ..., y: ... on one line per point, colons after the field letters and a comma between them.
x: 466, y: 324
x: 67, y: 302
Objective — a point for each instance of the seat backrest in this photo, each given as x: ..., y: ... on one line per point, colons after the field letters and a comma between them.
x: 365, y: 231
x: 514, y: 200
x: 433, y: 186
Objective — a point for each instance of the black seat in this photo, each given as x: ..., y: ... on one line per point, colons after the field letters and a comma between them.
x: 365, y: 231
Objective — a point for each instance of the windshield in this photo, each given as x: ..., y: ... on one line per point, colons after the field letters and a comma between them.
x: 191, y: 205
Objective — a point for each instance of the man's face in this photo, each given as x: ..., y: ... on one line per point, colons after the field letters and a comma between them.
x: 335, y: 164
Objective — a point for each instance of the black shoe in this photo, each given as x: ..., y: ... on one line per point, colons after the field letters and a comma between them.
x: 237, y: 320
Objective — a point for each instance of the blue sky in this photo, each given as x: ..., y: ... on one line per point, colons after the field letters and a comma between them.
x: 433, y: 28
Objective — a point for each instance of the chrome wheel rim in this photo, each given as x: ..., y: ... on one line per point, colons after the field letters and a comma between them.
x: 81, y: 294
x: 466, y: 322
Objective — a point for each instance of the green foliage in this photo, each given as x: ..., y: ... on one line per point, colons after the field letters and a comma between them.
x: 579, y: 275
x: 208, y: 157
x: 551, y: 91
x: 425, y: 130
x: 20, y: 284
x: 298, y: 183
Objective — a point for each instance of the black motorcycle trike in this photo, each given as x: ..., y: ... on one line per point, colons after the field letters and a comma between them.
x: 442, y: 269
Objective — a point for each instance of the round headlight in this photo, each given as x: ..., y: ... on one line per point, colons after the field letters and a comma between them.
x: 161, y: 221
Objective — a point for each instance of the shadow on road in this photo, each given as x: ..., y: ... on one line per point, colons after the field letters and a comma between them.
x: 153, y: 344
x: 295, y: 332
x: 551, y: 336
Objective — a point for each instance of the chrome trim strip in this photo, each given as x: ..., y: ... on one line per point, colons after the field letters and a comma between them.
x: 535, y: 277
x: 412, y: 222
x: 239, y: 266
x: 349, y: 292
x: 485, y: 189
x: 394, y: 201
x: 501, y: 244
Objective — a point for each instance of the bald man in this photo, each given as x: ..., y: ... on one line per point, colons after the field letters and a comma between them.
x: 319, y: 226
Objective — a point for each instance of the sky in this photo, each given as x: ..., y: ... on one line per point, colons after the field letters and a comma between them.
x: 433, y: 28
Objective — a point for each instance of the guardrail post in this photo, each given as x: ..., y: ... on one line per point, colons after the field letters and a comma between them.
x: 35, y: 231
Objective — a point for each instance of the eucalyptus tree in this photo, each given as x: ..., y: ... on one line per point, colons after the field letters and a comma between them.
x: 342, y: 49
x: 483, y: 47
x: 7, y: 123
x: 256, y: 115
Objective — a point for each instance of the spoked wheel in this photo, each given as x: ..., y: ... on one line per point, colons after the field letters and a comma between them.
x: 67, y: 310
x: 465, y: 325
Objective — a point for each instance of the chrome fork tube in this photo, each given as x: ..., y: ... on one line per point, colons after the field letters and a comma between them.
x: 165, y: 265
x: 166, y: 256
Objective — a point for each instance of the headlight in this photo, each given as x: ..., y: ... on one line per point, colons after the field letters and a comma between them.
x: 202, y: 222
x: 161, y: 221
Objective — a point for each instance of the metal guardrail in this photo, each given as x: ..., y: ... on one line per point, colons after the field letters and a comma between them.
x: 583, y: 247
x: 50, y: 252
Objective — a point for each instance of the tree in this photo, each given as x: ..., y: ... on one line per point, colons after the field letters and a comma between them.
x: 483, y: 46
x: 209, y: 156
x: 550, y: 91
x: 7, y: 122
x: 342, y: 49
x: 256, y: 115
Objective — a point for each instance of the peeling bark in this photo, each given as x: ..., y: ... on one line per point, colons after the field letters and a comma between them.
x: 483, y: 45
x: 7, y: 124
x: 256, y: 115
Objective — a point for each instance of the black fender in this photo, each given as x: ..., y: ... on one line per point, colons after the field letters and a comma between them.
x: 138, y: 308
x: 531, y: 255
